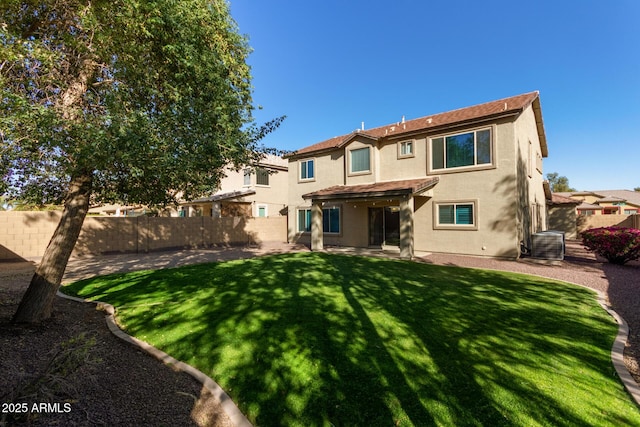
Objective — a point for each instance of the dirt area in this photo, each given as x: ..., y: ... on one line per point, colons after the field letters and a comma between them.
x: 90, y: 377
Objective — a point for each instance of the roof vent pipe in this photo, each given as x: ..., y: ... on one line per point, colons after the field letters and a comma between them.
x: 362, y: 126
x: 402, y: 118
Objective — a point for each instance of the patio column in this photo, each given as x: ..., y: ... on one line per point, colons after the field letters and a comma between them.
x: 317, y: 243
x: 406, y: 227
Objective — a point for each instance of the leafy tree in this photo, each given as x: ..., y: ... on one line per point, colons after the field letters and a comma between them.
x: 559, y: 184
x: 636, y: 189
x: 120, y: 100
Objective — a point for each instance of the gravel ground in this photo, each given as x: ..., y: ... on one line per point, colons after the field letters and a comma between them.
x: 113, y: 383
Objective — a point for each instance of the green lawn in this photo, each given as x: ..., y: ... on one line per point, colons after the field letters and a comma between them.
x: 317, y: 339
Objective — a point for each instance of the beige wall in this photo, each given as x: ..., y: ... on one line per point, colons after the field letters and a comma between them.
x: 493, y: 190
x: 532, y: 200
x: 597, y: 221
x: 329, y: 171
x: 564, y: 218
x: 26, y: 234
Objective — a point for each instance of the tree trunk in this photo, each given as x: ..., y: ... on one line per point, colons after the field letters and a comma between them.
x: 37, y: 302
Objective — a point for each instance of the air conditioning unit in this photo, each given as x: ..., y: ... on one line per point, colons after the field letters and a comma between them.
x: 548, y: 245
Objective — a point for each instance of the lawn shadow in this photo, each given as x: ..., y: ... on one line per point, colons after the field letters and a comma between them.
x: 304, y: 339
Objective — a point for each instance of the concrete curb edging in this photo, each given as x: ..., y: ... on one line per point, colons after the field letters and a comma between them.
x: 617, y: 352
x: 221, y: 397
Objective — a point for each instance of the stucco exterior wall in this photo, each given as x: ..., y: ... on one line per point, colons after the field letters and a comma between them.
x: 329, y: 171
x: 393, y: 166
x: 493, y: 191
x: 531, y: 198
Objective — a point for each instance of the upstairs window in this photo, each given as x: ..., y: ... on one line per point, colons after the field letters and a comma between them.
x: 307, y: 170
x: 247, y: 177
x: 405, y: 149
x: 462, y: 150
x: 262, y: 177
x: 360, y: 160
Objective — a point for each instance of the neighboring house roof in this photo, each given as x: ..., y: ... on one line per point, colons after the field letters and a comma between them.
x: 512, y: 106
x: 632, y: 197
x: 379, y: 189
x: 224, y: 196
x: 557, y: 199
x: 610, y: 199
x: 584, y: 206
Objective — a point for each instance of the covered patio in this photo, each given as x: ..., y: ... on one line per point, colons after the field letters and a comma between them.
x: 389, y: 203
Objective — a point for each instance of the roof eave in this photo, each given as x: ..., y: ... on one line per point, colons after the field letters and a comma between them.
x: 358, y: 195
x: 537, y: 111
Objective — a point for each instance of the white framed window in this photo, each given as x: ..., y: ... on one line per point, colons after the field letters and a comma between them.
x: 307, y: 170
x: 262, y: 177
x: 330, y: 220
x: 247, y: 177
x: 406, y: 149
x: 462, y: 150
x: 360, y: 160
x: 456, y: 215
x: 304, y: 220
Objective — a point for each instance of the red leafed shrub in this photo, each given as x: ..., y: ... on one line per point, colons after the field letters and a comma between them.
x: 617, y: 245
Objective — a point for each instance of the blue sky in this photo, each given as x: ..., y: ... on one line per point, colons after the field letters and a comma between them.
x: 331, y: 65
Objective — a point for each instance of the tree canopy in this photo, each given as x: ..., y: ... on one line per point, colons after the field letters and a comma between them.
x: 149, y: 97
x: 559, y: 184
x: 124, y: 101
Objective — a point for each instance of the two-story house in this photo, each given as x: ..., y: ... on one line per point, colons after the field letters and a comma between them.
x: 259, y: 190
x: 467, y: 181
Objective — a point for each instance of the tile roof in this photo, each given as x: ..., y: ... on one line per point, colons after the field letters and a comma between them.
x: 584, y: 206
x: 631, y: 197
x: 224, y: 196
x: 557, y: 199
x: 378, y: 189
x: 502, y: 107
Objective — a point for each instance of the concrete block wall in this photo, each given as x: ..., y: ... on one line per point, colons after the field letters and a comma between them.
x: 26, y: 234
x: 597, y: 221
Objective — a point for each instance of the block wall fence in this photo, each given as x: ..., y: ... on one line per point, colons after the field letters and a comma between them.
x: 25, y: 235
x: 597, y: 221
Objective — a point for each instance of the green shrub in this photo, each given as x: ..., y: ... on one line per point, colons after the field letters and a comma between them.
x: 618, y: 245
